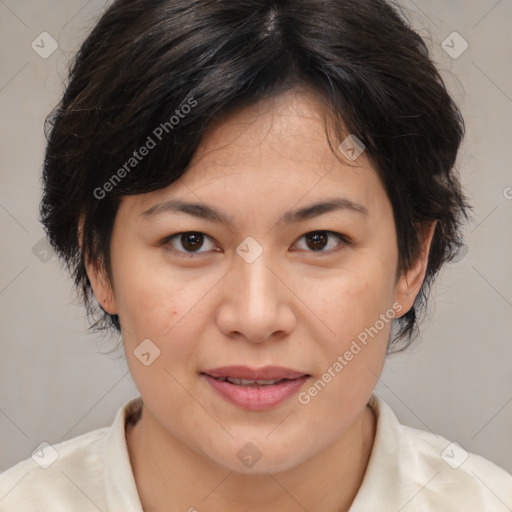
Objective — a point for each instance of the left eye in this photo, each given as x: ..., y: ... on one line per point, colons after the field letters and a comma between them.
x: 318, y: 240
x: 192, y: 241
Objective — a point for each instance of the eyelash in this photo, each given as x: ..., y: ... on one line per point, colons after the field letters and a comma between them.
x: 344, y: 240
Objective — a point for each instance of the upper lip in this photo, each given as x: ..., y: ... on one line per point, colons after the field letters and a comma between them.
x: 265, y: 373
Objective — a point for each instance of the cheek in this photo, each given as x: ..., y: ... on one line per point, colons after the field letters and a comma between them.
x: 168, y: 307
x: 146, y: 306
x: 358, y: 308
x: 357, y: 297
x: 151, y: 296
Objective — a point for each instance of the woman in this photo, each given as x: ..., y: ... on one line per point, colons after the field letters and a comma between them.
x: 257, y: 196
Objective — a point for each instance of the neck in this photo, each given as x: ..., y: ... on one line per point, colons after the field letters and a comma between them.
x: 169, y: 474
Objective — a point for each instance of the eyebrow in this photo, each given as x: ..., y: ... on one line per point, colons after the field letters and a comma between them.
x: 203, y: 211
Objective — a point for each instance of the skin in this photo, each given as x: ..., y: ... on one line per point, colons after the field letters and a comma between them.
x: 293, y: 307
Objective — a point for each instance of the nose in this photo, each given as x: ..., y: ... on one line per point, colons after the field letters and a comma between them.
x: 256, y: 304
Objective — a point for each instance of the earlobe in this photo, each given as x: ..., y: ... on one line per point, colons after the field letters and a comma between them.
x: 409, y: 283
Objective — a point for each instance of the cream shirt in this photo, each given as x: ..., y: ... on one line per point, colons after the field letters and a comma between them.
x: 409, y: 470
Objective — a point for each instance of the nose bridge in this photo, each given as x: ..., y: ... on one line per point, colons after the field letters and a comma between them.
x: 256, y: 284
x: 256, y: 305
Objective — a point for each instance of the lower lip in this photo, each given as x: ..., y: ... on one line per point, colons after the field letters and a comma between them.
x: 256, y: 398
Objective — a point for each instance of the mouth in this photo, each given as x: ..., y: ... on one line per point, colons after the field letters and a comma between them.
x: 255, y: 389
x: 249, y: 382
x: 267, y: 373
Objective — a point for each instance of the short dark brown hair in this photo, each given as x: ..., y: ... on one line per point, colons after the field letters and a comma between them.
x: 145, y: 60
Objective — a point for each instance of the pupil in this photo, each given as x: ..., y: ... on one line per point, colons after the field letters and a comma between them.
x: 192, y: 241
x: 319, y: 239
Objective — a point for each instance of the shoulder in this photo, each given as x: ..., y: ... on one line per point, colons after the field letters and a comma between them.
x: 457, y: 477
x: 415, y: 470
x: 59, y: 476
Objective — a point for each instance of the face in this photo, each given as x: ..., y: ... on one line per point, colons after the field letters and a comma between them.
x: 265, y: 281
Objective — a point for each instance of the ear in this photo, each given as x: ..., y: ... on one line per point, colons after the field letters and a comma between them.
x: 100, y: 283
x: 409, y: 282
x: 101, y: 286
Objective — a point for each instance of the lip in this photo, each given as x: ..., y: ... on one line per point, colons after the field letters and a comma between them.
x: 265, y: 373
x: 256, y: 398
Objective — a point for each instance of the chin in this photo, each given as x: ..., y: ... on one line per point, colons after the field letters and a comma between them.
x: 254, y: 459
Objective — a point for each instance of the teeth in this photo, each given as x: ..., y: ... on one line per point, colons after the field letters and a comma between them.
x: 245, y: 382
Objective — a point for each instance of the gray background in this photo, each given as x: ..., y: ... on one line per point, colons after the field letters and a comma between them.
x: 55, y: 384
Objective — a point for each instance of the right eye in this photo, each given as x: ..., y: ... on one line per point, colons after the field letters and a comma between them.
x: 190, y: 241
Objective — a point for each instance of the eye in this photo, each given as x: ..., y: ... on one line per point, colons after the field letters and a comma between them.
x: 190, y: 241
x: 316, y: 241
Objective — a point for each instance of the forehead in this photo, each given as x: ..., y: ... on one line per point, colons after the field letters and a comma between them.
x: 288, y: 126
x: 272, y: 152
